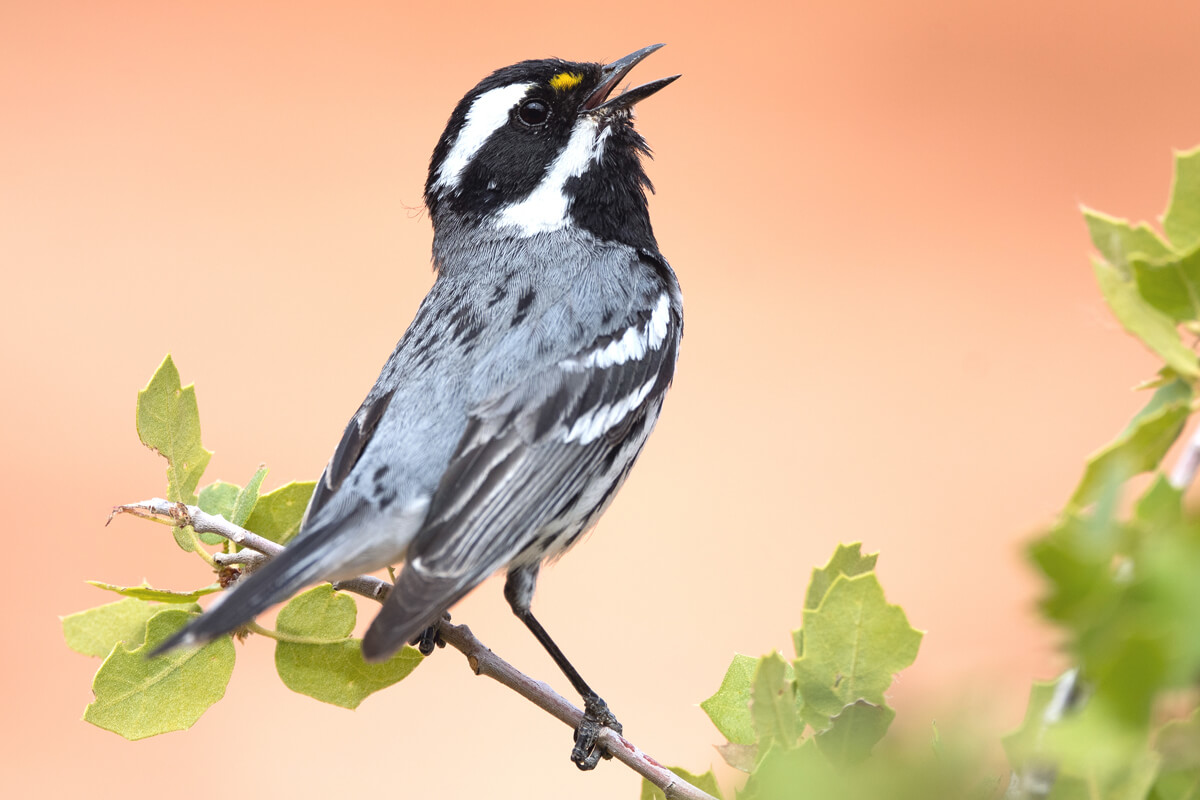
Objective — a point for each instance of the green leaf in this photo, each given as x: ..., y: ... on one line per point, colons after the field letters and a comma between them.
x: 706, y: 782
x: 1161, y: 505
x: 96, y: 631
x: 1178, y: 785
x: 277, y: 514
x: 1076, y: 556
x: 1182, y: 220
x: 848, y: 560
x: 729, y: 708
x: 773, y: 703
x: 333, y: 673
x: 247, y: 498
x: 1162, y: 602
x: 853, y: 644
x: 800, y: 772
x: 1171, y: 285
x: 146, y: 592
x: 168, y: 421
x: 1119, y: 242
x: 1141, y: 446
x: 138, y: 697
x: 854, y: 732
x: 1131, y: 779
x: 218, y: 499
x: 1155, y: 329
x: 1024, y: 744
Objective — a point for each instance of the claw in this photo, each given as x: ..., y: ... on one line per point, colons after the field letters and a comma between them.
x: 431, y: 637
x: 596, y: 717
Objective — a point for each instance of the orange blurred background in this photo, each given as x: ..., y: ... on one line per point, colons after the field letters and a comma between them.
x: 893, y: 336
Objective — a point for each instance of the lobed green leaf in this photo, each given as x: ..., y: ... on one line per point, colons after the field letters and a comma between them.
x: 853, y: 644
x: 729, y: 707
x: 848, y: 560
x: 1120, y: 243
x: 773, y: 703
x: 168, y: 421
x: 1141, y: 446
x: 1171, y: 285
x: 1154, y: 328
x: 137, y: 697
x: 218, y: 499
x: 96, y: 631
x: 1182, y: 219
x: 335, y: 672
x: 277, y: 515
x: 854, y: 732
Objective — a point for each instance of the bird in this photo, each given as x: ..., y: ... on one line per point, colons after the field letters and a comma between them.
x: 516, y: 402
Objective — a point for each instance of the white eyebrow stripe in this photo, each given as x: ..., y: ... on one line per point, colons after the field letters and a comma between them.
x: 486, y: 115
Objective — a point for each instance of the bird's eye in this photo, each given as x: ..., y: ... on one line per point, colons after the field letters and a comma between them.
x: 533, y: 112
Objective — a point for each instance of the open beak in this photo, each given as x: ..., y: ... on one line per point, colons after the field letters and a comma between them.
x: 613, y: 74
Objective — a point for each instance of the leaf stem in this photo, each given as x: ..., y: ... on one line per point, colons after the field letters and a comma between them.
x: 291, y: 638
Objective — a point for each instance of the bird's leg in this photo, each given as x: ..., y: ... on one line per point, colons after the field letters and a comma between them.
x: 430, y: 637
x: 586, y: 754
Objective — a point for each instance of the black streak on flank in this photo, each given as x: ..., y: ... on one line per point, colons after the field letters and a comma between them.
x: 464, y: 325
x: 498, y: 294
x: 523, y: 305
x: 470, y: 335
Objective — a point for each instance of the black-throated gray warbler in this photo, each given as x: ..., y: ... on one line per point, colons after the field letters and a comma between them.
x: 518, y: 399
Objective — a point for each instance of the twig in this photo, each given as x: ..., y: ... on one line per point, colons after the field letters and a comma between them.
x: 481, y: 659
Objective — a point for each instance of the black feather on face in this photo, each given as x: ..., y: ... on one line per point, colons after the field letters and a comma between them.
x: 506, y: 134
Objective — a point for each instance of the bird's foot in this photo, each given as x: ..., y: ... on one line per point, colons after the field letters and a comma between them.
x: 587, y: 751
x: 431, y: 637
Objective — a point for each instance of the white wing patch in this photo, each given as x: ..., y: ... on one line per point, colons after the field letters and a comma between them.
x: 592, y: 425
x: 545, y: 208
x: 632, y: 345
x: 485, y: 116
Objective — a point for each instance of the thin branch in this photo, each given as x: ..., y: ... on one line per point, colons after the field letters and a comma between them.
x: 481, y: 659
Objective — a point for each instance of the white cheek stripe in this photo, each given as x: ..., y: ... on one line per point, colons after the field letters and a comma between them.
x: 485, y: 116
x: 545, y: 208
x: 632, y: 345
x: 592, y: 425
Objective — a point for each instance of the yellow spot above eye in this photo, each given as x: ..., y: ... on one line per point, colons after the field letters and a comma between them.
x: 565, y: 80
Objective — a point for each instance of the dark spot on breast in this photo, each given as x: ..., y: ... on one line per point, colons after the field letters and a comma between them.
x: 379, y: 473
x: 607, y: 317
x: 498, y: 293
x: 471, y: 334
x: 523, y: 304
x: 422, y: 313
x: 386, y: 501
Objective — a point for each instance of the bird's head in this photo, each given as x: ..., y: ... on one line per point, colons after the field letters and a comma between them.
x: 544, y: 145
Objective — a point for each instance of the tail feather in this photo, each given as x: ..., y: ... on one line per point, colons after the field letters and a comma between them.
x: 274, y: 582
x: 417, y: 601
